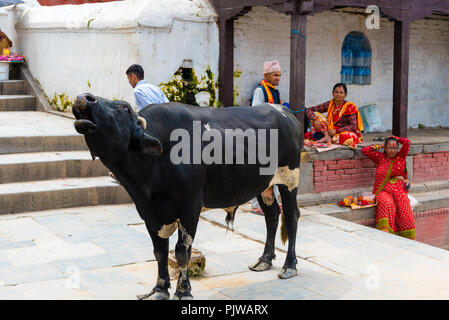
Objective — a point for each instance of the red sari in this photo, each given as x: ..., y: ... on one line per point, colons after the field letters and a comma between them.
x: 345, y: 119
x: 393, y: 212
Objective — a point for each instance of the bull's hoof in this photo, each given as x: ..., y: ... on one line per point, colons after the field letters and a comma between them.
x: 287, y: 273
x: 182, y: 296
x: 260, y: 266
x: 155, y: 295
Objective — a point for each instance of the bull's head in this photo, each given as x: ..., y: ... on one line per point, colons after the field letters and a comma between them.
x: 111, y: 128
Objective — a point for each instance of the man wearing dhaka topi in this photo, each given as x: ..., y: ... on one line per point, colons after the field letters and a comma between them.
x: 267, y: 92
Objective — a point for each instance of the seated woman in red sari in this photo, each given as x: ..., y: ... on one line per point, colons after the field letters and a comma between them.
x: 343, y: 124
x: 393, y: 212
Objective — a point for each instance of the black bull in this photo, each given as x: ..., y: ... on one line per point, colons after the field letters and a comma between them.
x: 169, y: 195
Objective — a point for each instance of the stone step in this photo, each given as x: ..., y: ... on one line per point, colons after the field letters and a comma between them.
x: 41, y: 144
x: 60, y: 193
x: 12, y: 87
x: 38, y: 132
x: 311, y: 199
x: 429, y: 200
x: 49, y: 165
x: 17, y: 103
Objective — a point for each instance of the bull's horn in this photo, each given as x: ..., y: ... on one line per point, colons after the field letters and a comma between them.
x: 142, y: 122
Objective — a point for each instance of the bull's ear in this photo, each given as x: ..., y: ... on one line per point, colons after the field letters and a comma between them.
x: 151, y: 146
x: 145, y: 143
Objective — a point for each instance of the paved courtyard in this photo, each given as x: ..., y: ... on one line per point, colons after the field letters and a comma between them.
x: 104, y: 252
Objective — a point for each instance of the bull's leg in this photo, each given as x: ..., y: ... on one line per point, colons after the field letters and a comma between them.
x: 183, y: 251
x: 160, y: 291
x: 291, y: 216
x: 271, y: 214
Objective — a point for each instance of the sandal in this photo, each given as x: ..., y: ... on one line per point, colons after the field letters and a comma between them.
x: 257, y: 211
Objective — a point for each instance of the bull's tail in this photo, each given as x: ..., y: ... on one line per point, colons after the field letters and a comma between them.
x: 230, y: 215
x: 284, y: 233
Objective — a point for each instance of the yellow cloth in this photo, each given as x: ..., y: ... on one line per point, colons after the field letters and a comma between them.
x: 3, y: 44
x: 266, y: 84
x: 330, y: 118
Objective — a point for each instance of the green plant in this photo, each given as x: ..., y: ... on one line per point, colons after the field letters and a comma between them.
x: 61, y: 102
x: 177, y: 92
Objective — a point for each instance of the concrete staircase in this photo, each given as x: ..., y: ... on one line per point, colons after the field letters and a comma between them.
x: 44, y: 162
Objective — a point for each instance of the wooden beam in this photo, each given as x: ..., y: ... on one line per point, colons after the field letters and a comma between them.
x: 395, y: 7
x: 226, y: 62
x: 298, y: 65
x: 219, y: 4
x: 232, y: 13
x: 400, y: 77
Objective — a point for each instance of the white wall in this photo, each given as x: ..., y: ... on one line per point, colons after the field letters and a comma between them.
x: 73, y: 49
x: 67, y: 56
x: 263, y: 35
x: 7, y: 21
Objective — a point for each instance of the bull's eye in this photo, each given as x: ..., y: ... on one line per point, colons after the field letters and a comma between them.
x: 125, y: 108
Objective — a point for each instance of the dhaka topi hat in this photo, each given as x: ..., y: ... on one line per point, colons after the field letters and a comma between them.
x: 271, y: 66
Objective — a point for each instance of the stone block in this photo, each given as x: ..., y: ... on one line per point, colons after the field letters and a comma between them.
x: 339, y: 153
x: 12, y: 87
x: 306, y: 178
x: 309, y: 199
x: 409, y: 165
x: 17, y: 103
x: 31, y: 273
x: 431, y: 148
x: 195, y: 268
x: 415, y: 149
x: 437, y: 185
x: 278, y: 289
x: 358, y: 154
x: 111, y: 283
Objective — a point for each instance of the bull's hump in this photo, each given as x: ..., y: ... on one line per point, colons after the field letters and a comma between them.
x: 279, y: 109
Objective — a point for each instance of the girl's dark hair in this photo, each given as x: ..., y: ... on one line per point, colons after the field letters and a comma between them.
x: 340, y: 85
x: 388, y: 140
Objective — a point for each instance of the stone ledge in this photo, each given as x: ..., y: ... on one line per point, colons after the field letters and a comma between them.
x: 429, y: 200
x: 312, y: 199
x: 310, y: 155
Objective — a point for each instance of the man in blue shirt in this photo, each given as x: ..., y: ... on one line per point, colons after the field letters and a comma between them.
x: 144, y: 92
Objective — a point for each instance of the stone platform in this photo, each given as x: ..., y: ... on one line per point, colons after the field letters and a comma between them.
x: 104, y: 252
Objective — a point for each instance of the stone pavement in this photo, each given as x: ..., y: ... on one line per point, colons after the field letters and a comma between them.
x: 104, y: 252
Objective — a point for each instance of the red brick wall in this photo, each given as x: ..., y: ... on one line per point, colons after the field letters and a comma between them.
x: 342, y: 174
x: 430, y: 167
x: 432, y: 227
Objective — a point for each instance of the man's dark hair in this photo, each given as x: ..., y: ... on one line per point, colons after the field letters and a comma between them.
x: 340, y: 85
x: 136, y: 69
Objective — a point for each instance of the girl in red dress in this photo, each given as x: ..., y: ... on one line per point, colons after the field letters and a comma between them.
x: 393, y: 212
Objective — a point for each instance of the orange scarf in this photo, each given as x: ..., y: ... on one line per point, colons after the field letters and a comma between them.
x: 330, y: 117
x: 266, y: 84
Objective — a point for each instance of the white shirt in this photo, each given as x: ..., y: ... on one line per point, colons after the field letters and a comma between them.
x: 145, y: 93
x: 258, y: 97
